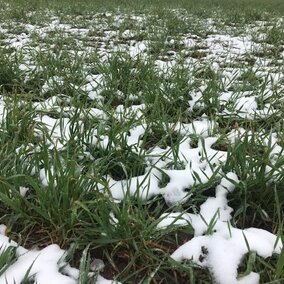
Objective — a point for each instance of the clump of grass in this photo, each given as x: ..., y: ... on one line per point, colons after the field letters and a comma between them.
x: 159, y: 136
x: 119, y: 164
x: 11, y: 78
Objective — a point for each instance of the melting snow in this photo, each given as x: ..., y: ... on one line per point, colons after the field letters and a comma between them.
x: 223, y: 250
x: 45, y: 266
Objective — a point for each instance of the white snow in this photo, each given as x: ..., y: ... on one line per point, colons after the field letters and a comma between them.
x: 223, y: 250
x: 44, y: 265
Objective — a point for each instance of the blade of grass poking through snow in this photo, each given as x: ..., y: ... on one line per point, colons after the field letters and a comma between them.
x: 250, y: 264
x: 280, y: 237
x: 27, y: 278
x: 7, y: 257
x: 212, y: 223
x: 84, y: 266
x: 280, y: 264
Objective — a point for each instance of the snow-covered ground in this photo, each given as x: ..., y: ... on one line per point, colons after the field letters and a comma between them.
x: 226, y: 55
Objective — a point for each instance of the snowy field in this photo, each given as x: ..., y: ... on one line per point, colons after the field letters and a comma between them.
x: 141, y: 147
